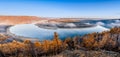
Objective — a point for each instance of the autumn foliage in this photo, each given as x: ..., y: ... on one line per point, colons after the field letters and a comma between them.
x: 108, y: 40
x: 28, y: 48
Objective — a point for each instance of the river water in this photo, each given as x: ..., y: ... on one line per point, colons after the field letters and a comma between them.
x: 33, y: 31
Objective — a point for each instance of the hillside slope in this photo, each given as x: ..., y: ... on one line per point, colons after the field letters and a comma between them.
x: 13, y: 20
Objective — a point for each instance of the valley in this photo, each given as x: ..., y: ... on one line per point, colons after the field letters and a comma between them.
x: 39, y: 36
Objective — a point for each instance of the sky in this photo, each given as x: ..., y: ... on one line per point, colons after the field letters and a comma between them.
x: 61, y: 8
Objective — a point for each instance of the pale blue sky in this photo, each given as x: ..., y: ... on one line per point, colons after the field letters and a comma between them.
x: 61, y: 8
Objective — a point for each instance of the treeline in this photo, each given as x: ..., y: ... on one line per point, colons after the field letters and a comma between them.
x: 107, y: 40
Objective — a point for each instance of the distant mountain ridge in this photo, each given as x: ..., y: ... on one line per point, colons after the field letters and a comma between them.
x: 13, y: 20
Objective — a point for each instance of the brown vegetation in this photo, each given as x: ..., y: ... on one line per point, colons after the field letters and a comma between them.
x: 28, y: 48
x: 3, y: 37
x: 109, y: 40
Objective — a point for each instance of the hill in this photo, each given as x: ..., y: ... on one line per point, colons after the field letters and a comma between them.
x: 13, y: 20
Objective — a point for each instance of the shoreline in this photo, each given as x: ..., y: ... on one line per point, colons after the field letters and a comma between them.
x: 32, y: 38
x: 20, y: 37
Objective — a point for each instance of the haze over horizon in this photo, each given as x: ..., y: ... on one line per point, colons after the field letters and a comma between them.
x: 62, y: 8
